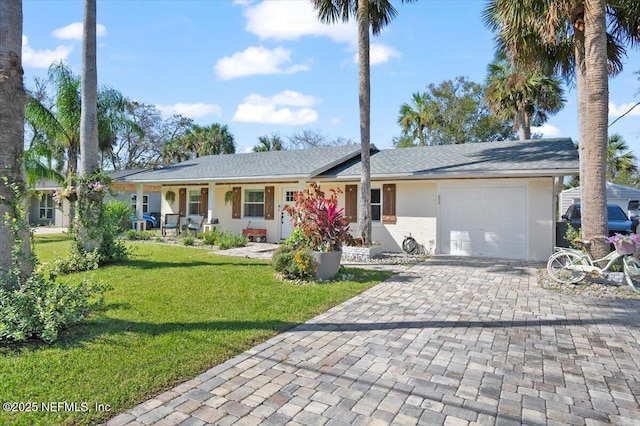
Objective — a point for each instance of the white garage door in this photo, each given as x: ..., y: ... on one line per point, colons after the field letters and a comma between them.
x: 483, y: 221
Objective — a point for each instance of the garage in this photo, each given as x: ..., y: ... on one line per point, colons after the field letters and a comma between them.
x: 483, y: 221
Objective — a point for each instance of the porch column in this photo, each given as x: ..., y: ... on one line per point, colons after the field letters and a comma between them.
x: 211, y: 203
x: 139, y: 194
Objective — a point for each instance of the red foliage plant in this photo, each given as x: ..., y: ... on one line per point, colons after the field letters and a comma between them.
x: 320, y: 219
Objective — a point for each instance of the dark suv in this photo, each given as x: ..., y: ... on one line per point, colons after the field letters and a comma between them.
x: 618, y: 222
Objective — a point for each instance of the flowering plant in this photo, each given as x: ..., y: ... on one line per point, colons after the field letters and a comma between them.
x: 63, y: 193
x: 324, y: 224
x: 624, y: 244
x: 624, y: 238
x: 97, y: 186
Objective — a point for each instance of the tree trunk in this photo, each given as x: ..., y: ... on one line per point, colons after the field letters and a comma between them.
x: 594, y: 201
x: 521, y: 125
x: 88, y: 212
x: 581, y: 90
x: 89, y: 156
x: 364, y: 208
x: 13, y: 199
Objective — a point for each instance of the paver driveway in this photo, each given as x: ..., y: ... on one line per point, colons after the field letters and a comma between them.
x: 450, y: 341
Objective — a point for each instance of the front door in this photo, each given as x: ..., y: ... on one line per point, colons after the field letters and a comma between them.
x: 288, y: 198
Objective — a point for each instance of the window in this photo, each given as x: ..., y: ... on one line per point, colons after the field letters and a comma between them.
x: 254, y: 203
x: 145, y: 203
x: 376, y: 205
x: 46, y: 206
x: 194, y: 202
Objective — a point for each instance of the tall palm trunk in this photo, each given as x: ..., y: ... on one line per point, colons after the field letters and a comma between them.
x: 89, y: 212
x: 364, y: 209
x: 594, y: 212
x: 89, y: 156
x: 12, y: 101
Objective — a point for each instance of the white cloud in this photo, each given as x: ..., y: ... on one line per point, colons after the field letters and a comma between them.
x: 74, y: 31
x: 292, y: 19
x: 276, y: 109
x: 335, y: 120
x: 547, y: 131
x: 379, y: 54
x: 195, y: 110
x: 42, y: 58
x: 617, y: 111
x: 257, y: 61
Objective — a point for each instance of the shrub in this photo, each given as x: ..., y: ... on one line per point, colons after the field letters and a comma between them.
x: 188, y: 240
x: 118, y: 214
x: 41, y: 307
x: 229, y: 240
x: 293, y: 263
x: 211, y: 237
x: 134, y: 235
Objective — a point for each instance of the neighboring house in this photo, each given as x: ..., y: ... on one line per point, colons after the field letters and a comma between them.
x: 43, y: 210
x: 127, y: 192
x: 493, y: 199
x: 625, y: 196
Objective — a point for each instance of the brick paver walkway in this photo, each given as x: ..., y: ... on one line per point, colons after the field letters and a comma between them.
x: 452, y: 341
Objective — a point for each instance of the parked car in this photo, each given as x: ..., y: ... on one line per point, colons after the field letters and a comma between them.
x: 152, y: 222
x: 618, y: 222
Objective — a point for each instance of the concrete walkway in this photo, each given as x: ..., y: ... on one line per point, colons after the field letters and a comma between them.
x: 452, y: 341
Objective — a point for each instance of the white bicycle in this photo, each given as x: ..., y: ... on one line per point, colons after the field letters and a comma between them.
x: 569, y: 265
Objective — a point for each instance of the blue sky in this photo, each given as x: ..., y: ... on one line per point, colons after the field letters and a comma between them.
x: 264, y: 67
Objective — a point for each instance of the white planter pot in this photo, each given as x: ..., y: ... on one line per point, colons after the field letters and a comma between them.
x: 327, y: 264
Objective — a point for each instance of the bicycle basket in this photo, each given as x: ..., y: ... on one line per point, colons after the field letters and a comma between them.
x: 625, y: 247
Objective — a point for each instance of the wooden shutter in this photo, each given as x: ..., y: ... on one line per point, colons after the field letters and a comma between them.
x: 236, y: 211
x: 269, y: 208
x: 204, y: 201
x: 389, y: 203
x: 182, y: 201
x: 351, y: 202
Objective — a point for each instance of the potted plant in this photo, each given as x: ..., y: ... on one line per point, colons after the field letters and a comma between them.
x: 324, y: 225
x: 97, y: 190
x: 170, y: 196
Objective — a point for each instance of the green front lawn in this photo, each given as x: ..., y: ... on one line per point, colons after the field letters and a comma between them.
x: 173, y: 313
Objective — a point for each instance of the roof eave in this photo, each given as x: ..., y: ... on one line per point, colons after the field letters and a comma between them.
x: 463, y: 175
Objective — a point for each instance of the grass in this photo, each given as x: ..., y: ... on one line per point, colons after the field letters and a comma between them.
x: 173, y: 313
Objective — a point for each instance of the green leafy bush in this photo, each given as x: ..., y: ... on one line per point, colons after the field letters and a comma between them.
x: 211, y: 237
x: 293, y: 263
x: 118, y: 214
x: 229, y: 240
x: 41, y: 307
x: 188, y: 240
x: 134, y: 235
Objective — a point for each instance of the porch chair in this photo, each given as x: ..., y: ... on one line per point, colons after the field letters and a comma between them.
x: 171, y: 221
x: 195, y: 225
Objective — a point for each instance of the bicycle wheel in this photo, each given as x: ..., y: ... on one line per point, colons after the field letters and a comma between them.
x: 410, y: 245
x: 559, y: 267
x: 632, y: 272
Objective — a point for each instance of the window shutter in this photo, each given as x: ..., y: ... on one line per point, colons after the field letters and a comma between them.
x: 182, y: 201
x: 237, y: 206
x: 351, y: 202
x: 204, y: 201
x: 269, y: 202
x: 389, y: 203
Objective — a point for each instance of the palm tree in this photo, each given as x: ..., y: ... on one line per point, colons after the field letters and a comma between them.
x: 526, y: 97
x: 89, y: 158
x: 59, y: 125
x: 414, y: 119
x: 14, y: 233
x: 269, y: 143
x: 214, y: 139
x: 569, y: 38
x: 371, y: 15
x: 620, y: 159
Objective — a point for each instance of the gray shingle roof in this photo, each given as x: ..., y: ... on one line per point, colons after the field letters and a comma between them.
x: 536, y: 157
x: 303, y: 164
